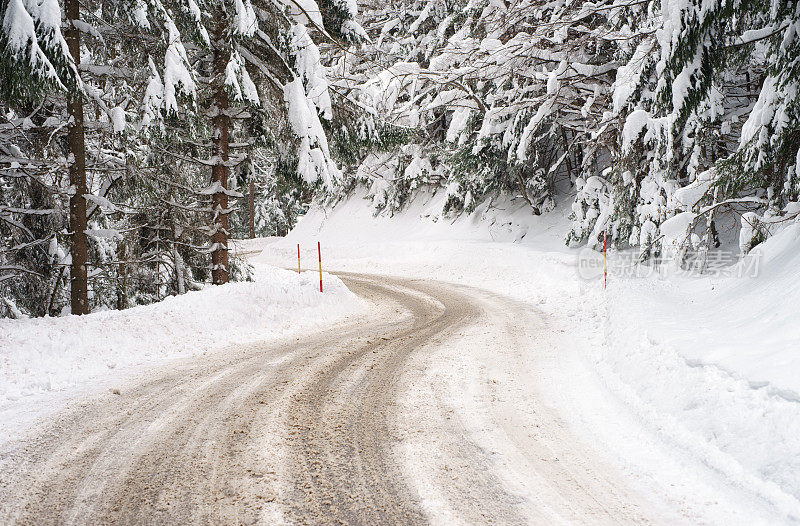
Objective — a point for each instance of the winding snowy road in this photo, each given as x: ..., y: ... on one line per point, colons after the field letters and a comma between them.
x: 347, y: 425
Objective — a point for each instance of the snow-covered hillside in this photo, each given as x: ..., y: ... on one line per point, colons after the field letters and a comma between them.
x: 689, y: 382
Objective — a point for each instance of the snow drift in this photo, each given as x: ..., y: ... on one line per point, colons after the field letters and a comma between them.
x: 44, y: 354
x: 698, y: 375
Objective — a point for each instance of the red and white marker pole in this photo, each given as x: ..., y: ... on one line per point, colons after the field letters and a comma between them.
x: 298, y: 258
x: 319, y: 251
x: 605, y: 259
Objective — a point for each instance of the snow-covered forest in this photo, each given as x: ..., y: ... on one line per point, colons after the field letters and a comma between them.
x: 139, y: 137
x: 643, y: 111
x: 400, y: 262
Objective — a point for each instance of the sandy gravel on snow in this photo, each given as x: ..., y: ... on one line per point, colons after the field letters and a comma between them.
x: 320, y: 429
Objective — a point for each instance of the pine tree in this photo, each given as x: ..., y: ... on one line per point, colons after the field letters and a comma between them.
x: 248, y: 60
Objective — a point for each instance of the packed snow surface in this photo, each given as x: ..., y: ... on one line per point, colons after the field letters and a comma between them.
x: 690, y: 383
x: 42, y: 355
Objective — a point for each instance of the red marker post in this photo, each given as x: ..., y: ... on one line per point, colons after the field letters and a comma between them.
x: 319, y: 251
x: 298, y: 258
x: 605, y: 259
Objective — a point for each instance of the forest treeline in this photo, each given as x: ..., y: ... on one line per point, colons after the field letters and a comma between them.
x: 139, y: 136
x: 638, y: 111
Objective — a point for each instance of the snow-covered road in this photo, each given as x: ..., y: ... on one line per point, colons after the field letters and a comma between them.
x: 355, y: 423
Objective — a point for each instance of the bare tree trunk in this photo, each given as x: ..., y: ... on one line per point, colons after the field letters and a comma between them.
x: 566, y: 152
x: 79, y: 290
x: 180, y: 285
x: 219, y: 171
x: 522, y: 187
x: 177, y: 260
x: 252, y: 209
x: 122, y: 273
x: 56, y: 285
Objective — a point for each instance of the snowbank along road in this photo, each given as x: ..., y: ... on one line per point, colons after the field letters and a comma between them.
x: 344, y: 426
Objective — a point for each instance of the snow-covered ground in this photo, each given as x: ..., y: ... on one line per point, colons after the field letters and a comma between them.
x: 47, y: 361
x: 689, y: 384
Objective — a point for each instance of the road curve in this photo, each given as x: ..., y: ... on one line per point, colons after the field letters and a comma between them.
x: 299, y: 431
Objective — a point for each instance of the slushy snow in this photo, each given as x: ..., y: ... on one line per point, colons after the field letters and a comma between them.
x: 41, y: 357
x: 696, y: 399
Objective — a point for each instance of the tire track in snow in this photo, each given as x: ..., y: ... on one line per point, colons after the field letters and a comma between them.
x: 303, y: 430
